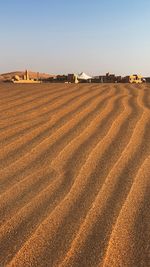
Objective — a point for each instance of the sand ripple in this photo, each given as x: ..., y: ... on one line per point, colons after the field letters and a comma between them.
x: 75, y: 175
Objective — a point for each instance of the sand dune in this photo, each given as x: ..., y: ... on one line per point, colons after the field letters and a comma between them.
x: 33, y: 75
x: 75, y: 175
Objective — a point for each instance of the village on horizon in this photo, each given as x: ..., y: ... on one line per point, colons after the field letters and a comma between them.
x: 33, y: 77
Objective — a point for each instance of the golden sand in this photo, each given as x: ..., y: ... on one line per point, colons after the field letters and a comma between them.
x: 75, y: 175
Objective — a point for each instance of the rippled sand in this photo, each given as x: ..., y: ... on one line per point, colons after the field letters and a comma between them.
x: 75, y: 175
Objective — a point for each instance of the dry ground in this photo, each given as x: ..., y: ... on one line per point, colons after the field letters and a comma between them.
x: 75, y: 175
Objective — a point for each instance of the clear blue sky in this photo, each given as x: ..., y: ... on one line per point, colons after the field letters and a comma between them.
x: 61, y: 36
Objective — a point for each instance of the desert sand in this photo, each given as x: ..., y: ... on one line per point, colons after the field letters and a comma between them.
x: 75, y: 175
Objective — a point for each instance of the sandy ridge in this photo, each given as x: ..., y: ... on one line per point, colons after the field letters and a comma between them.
x: 14, y: 167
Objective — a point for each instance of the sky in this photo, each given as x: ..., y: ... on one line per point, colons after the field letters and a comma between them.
x: 70, y: 36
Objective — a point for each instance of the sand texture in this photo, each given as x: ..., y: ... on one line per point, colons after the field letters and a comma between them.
x: 75, y: 175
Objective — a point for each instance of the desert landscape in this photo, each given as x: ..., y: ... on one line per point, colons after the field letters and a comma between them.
x: 75, y: 175
x: 33, y: 75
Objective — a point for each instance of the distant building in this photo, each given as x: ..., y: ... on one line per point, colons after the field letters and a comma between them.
x: 147, y: 79
x: 108, y: 78
x: 61, y: 78
x: 72, y: 78
x: 26, y: 79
